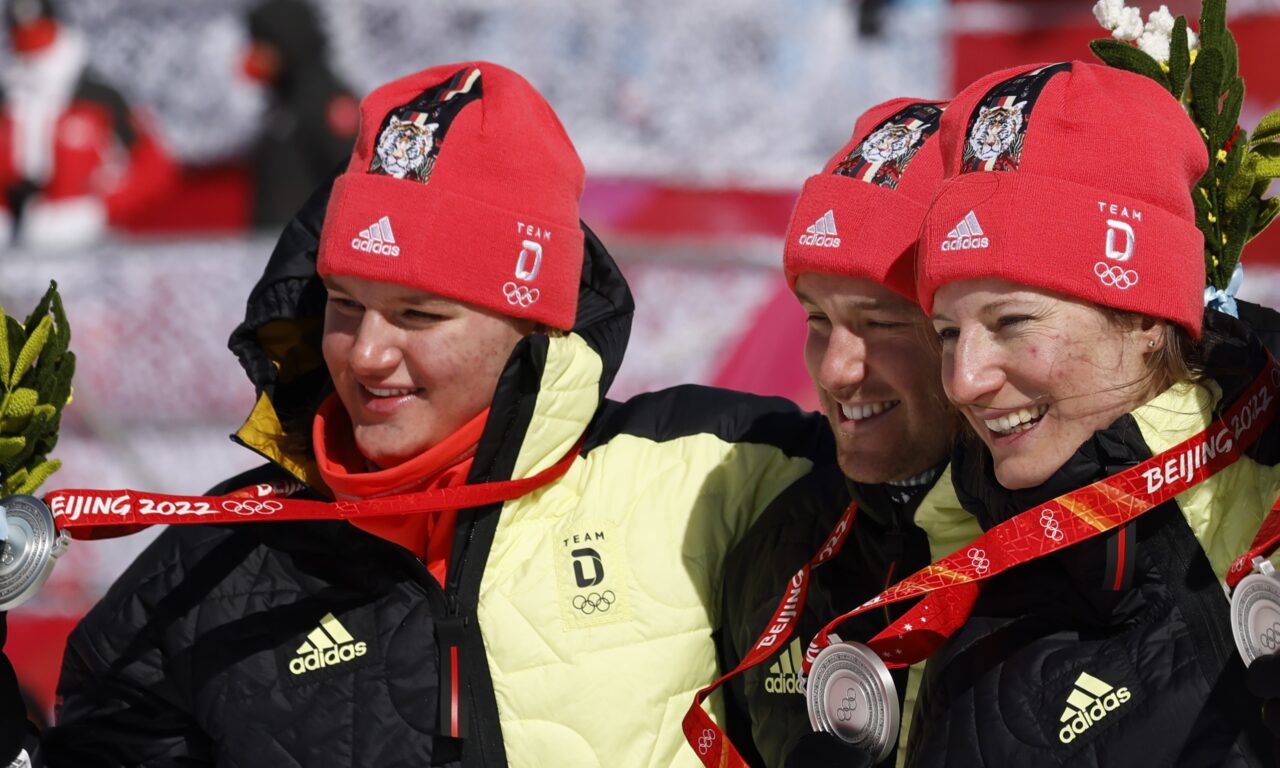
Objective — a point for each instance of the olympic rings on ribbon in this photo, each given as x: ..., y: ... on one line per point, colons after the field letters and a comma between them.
x: 1052, y: 530
x: 1111, y: 275
x: 250, y: 507
x: 705, y: 741
x: 520, y: 295
x: 979, y: 559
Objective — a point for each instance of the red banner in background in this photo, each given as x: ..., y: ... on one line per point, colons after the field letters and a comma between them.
x: 988, y: 35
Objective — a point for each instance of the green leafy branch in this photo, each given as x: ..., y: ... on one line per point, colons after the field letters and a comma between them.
x: 36, y: 366
x: 1229, y: 202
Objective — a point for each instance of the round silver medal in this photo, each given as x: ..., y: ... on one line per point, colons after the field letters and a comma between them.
x: 28, y: 553
x: 1255, y: 612
x: 850, y: 693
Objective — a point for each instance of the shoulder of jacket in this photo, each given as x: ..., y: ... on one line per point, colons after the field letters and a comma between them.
x: 735, y: 417
x: 791, y: 529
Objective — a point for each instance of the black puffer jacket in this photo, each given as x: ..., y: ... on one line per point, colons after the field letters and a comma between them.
x: 895, y: 533
x: 1103, y: 655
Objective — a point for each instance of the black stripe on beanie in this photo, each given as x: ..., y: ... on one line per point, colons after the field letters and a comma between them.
x: 904, y: 141
x: 998, y: 124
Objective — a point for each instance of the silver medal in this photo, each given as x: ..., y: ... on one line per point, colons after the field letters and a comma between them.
x: 29, y: 550
x: 850, y: 694
x: 1255, y: 612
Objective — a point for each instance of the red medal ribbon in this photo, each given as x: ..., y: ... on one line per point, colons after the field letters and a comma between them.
x: 1264, y: 544
x: 93, y: 514
x: 949, y: 586
x: 702, y: 733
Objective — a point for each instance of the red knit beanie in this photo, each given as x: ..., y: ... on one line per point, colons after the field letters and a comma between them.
x: 860, y: 217
x: 1076, y: 178
x: 463, y: 183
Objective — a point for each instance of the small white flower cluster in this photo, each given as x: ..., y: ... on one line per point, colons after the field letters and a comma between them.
x: 1125, y: 23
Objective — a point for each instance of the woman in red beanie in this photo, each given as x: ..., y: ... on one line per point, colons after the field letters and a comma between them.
x: 1063, y: 271
x: 451, y: 329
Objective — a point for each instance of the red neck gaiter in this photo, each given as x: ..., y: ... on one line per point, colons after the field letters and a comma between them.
x: 346, y: 471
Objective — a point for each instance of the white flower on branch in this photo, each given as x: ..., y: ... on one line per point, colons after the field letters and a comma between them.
x: 1125, y: 23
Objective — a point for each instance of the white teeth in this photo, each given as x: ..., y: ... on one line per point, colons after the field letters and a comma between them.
x: 388, y: 392
x: 860, y: 412
x: 1018, y: 421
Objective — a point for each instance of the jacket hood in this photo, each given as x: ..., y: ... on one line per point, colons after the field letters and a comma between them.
x: 278, y: 345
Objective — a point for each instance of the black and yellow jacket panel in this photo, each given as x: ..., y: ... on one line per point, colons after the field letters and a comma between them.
x: 896, y: 532
x: 583, y: 613
x: 1105, y: 655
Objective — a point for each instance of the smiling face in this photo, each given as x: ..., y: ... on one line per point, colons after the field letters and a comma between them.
x: 1036, y: 373
x: 869, y: 353
x: 411, y: 367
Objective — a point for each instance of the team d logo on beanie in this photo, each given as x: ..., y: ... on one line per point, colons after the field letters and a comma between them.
x: 1075, y: 178
x: 860, y: 216
x: 462, y: 183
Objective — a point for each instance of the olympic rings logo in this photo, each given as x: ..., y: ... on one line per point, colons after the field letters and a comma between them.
x: 979, y: 559
x: 250, y: 507
x: 1270, y: 638
x: 520, y: 295
x: 706, y: 741
x: 844, y: 712
x: 1119, y: 277
x: 595, y: 601
x: 1052, y: 530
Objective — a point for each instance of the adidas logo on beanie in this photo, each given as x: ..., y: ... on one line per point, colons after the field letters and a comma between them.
x: 875, y: 191
x: 463, y: 183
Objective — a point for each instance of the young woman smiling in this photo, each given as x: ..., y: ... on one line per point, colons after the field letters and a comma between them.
x: 1063, y: 270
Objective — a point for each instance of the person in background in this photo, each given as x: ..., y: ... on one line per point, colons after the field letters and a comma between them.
x: 557, y: 603
x: 848, y: 256
x: 75, y: 158
x: 311, y: 116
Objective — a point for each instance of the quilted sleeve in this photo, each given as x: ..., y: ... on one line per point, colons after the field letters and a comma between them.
x: 122, y: 698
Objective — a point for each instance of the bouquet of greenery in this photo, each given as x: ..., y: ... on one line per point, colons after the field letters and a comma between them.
x: 1202, y: 72
x: 36, y: 365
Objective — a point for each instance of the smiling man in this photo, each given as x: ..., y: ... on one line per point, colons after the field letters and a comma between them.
x: 871, y: 355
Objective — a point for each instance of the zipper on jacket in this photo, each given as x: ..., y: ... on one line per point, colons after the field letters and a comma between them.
x: 451, y: 632
x: 449, y: 635
x: 450, y: 629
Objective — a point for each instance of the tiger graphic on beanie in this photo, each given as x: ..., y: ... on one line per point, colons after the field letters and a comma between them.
x: 890, y: 143
x: 996, y: 134
x: 404, y: 149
